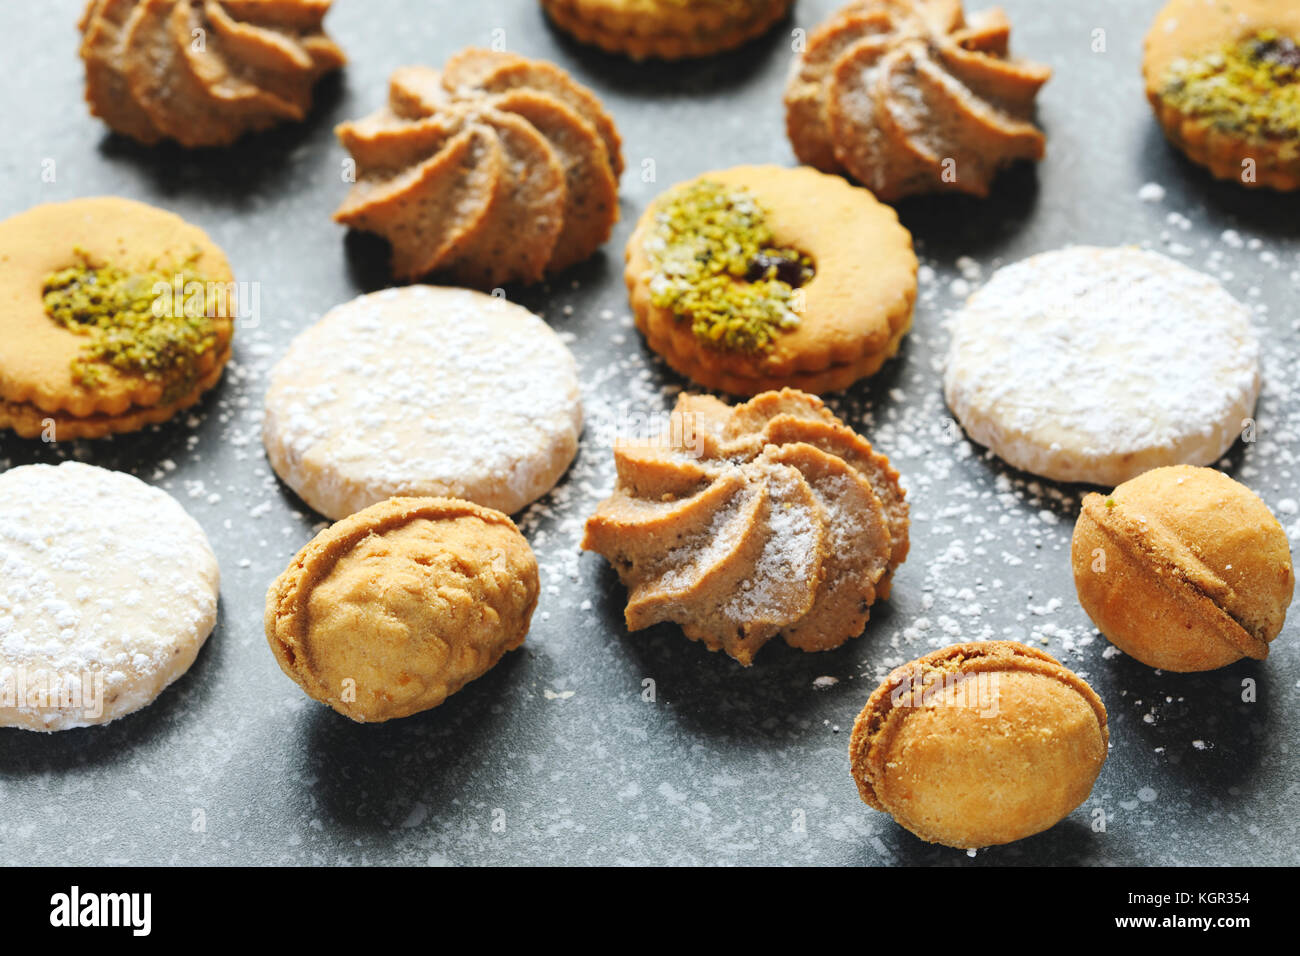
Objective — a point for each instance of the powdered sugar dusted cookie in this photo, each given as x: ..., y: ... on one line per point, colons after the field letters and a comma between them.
x: 1095, y: 365
x: 107, y: 591
x: 423, y: 391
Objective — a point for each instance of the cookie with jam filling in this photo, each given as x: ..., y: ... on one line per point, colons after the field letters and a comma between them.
x: 759, y: 277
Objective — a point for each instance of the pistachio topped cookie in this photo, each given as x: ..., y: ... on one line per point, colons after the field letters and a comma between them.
x: 114, y: 315
x: 666, y: 29
x: 759, y: 277
x: 1224, y: 79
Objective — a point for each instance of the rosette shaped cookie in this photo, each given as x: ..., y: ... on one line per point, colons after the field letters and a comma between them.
x: 743, y: 523
x: 203, y: 72
x: 495, y: 169
x: 908, y: 96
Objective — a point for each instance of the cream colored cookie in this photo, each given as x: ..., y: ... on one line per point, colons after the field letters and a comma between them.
x: 107, y: 591
x: 1095, y: 365
x: 423, y: 391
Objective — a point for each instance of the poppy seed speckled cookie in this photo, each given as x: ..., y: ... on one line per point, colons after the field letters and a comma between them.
x: 423, y: 391
x: 759, y: 277
x: 107, y: 591
x: 394, y: 609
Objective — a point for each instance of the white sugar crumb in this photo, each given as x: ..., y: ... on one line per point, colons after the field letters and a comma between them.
x: 1151, y: 192
x: 825, y: 683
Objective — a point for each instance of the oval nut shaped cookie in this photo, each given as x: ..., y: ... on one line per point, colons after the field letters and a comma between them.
x: 1183, y: 568
x: 392, y: 610
x: 979, y: 744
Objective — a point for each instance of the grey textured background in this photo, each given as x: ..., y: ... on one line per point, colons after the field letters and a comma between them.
x: 557, y: 744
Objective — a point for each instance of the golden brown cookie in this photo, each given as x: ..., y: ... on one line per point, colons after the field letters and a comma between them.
x: 758, y: 277
x: 203, y: 72
x: 908, y: 96
x: 979, y: 744
x: 1224, y: 79
x: 496, y: 169
x: 743, y: 523
x: 1183, y: 568
x: 115, y: 315
x: 666, y: 29
x: 392, y: 610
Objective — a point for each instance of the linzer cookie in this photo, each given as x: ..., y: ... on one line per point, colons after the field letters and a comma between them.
x: 203, y: 74
x: 909, y: 96
x: 759, y: 277
x: 114, y: 314
x: 666, y: 29
x: 495, y: 169
x: 769, y: 518
x: 1224, y: 79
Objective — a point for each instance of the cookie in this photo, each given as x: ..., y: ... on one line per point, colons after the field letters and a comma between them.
x: 1223, y: 77
x: 754, y: 278
x: 115, y: 315
x: 979, y: 744
x: 739, y: 524
x: 495, y: 169
x: 1183, y: 568
x: 392, y: 610
x: 109, y: 591
x: 908, y: 96
x: 203, y: 74
x: 666, y: 29
x: 423, y: 391
x: 1078, y: 365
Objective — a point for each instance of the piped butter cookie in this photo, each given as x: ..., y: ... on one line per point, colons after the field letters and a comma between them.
x: 108, y: 591
x: 203, y: 72
x: 495, y: 169
x: 423, y: 391
x: 114, y: 315
x: 1224, y: 79
x: 1095, y: 365
x: 742, y: 523
x: 394, y: 609
x: 759, y: 277
x: 666, y: 29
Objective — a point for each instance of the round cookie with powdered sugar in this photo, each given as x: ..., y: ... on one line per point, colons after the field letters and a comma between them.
x: 1096, y: 365
x: 423, y: 391
x: 109, y: 590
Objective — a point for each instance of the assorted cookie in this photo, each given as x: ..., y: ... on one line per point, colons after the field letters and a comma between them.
x: 1183, y: 568
x: 760, y: 277
x: 423, y: 391
x: 743, y: 523
x: 115, y: 315
x: 495, y: 169
x: 979, y: 744
x: 203, y: 73
x: 1223, y: 77
x: 1078, y: 365
x: 392, y: 610
x: 666, y: 29
x: 109, y: 590
x: 910, y: 96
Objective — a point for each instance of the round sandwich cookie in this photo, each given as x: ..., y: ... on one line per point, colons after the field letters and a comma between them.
x: 423, y: 391
x: 109, y: 590
x: 1223, y: 77
x: 394, y: 609
x: 666, y: 29
x: 1094, y: 365
x: 114, y: 315
x: 755, y: 278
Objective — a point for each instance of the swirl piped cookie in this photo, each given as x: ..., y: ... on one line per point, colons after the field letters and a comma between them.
x: 910, y: 96
x: 203, y: 72
x: 759, y: 277
x: 1224, y: 80
x: 495, y: 169
x: 666, y: 29
x: 113, y: 315
x: 743, y: 523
